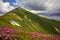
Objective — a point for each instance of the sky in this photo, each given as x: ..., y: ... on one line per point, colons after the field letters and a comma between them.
x: 46, y: 8
x: 7, y: 5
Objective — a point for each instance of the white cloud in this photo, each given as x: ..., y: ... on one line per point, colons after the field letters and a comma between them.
x: 53, y: 17
x: 5, y: 7
x: 41, y: 6
x: 35, y: 11
x: 46, y: 5
x: 15, y: 3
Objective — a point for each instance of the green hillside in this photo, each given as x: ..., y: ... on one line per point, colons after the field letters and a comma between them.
x: 28, y: 22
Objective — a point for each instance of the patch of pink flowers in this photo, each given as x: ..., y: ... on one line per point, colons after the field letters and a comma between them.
x: 11, y: 34
x: 1, y: 28
x: 58, y: 39
x: 7, y: 33
x: 43, y: 36
x: 8, y: 29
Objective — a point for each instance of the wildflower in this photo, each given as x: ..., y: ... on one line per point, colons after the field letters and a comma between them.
x: 45, y: 39
x: 32, y: 33
x: 58, y: 39
x: 7, y: 36
x: 0, y: 35
x: 4, y: 34
x: 38, y: 35
x: 53, y: 36
x: 1, y: 28
x: 8, y: 30
x: 45, y: 35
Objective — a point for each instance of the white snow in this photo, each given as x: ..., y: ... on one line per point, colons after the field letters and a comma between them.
x: 57, y: 29
x: 15, y: 23
x: 19, y: 18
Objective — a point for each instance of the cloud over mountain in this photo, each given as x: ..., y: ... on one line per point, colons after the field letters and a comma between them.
x: 42, y: 6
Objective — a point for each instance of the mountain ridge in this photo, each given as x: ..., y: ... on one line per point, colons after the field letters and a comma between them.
x: 21, y: 19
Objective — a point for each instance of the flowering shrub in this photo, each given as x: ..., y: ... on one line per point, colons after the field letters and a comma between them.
x: 11, y: 34
x: 43, y: 36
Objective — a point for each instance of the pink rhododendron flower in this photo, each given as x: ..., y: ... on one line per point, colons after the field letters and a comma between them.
x: 32, y: 33
x: 7, y: 36
x: 1, y: 28
x: 58, y: 39
x: 8, y: 29
x: 4, y: 34
x: 10, y: 34
x: 45, y: 35
x: 53, y: 36
x: 37, y: 35
x: 45, y: 38
x: 0, y: 35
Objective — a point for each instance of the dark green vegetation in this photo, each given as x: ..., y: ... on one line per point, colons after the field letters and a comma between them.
x: 27, y: 21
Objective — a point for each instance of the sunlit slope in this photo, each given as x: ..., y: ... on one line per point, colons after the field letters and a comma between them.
x: 27, y: 21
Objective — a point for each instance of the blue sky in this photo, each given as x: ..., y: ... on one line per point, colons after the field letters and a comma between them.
x: 11, y: 2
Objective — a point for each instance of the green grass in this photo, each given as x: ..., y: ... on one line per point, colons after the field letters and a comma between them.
x: 29, y: 22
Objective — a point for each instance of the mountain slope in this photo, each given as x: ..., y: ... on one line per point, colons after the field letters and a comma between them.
x: 27, y: 21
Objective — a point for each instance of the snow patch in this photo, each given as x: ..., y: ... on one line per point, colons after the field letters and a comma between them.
x: 19, y: 18
x: 15, y: 23
x: 25, y: 17
x: 13, y: 14
x: 57, y: 29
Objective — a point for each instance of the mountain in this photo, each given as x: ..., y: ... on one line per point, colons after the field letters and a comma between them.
x: 24, y: 20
